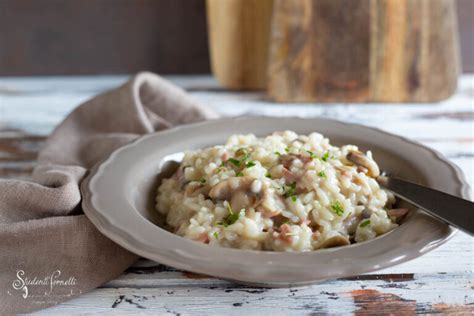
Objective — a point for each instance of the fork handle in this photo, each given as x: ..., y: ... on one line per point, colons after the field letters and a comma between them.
x: 445, y: 207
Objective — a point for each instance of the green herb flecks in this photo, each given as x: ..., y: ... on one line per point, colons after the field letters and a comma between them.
x: 365, y: 223
x: 326, y: 156
x: 287, y: 149
x: 234, y: 161
x: 241, y: 155
x: 216, y: 235
x: 202, y: 180
x: 277, y: 153
x: 232, y: 217
x: 220, y: 168
x: 337, y: 208
x: 268, y: 175
x: 311, y: 154
x: 239, y: 174
x: 290, y: 191
x: 250, y: 164
x: 322, y: 174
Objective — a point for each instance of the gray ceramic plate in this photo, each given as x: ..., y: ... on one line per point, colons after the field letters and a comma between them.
x: 119, y: 195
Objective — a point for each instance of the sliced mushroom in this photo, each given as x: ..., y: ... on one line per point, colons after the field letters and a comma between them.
x: 305, y: 158
x: 316, y: 235
x: 242, y: 199
x: 226, y: 188
x: 290, y: 176
x: 279, y: 220
x: 397, y: 213
x: 335, y: 241
x: 196, y: 188
x: 363, y: 161
x: 270, y: 203
x: 179, y: 177
x: 236, y: 190
x: 286, y: 160
x: 350, y: 223
x: 303, y: 184
x: 366, y: 213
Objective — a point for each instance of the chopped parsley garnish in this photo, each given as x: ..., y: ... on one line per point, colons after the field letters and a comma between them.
x: 250, y: 164
x: 202, y: 180
x: 239, y: 174
x: 232, y: 217
x: 287, y: 149
x: 322, y: 174
x: 216, y: 235
x: 220, y: 168
x: 290, y: 191
x: 234, y: 161
x: 365, y: 223
x: 277, y: 153
x: 325, y: 157
x: 245, y: 154
x: 337, y: 208
x: 311, y: 154
x: 268, y: 175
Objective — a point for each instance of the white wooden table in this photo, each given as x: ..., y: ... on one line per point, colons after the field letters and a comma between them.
x: 439, y: 282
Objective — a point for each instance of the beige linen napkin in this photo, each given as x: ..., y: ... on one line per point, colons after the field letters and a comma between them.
x: 49, y: 250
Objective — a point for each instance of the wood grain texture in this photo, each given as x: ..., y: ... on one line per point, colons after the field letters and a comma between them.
x: 338, y: 297
x: 307, y: 63
x: 239, y: 33
x: 363, y: 51
x: 440, y: 282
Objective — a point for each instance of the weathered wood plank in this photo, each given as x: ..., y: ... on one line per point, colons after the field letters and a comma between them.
x: 17, y: 86
x: 97, y: 83
x: 420, y: 295
x: 36, y: 110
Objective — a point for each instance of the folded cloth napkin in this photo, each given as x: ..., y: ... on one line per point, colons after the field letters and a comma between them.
x: 49, y: 250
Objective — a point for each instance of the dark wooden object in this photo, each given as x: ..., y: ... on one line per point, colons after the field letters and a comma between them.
x: 54, y: 37
x: 367, y: 50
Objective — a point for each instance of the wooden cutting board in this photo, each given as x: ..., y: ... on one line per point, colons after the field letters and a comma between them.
x: 363, y: 50
x: 239, y: 32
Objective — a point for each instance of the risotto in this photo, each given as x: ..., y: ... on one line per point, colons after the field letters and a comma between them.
x: 283, y: 192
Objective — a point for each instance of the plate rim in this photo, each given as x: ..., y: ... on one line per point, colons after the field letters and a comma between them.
x: 99, y: 219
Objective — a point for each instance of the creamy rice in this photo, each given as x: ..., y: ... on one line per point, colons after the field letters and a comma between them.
x: 284, y: 192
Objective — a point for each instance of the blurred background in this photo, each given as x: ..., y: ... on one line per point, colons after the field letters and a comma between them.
x: 57, y: 37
